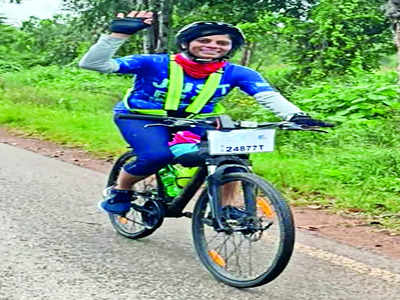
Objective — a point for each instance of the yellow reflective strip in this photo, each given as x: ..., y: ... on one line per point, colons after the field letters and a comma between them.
x: 158, y: 112
x: 219, y: 109
x: 175, y: 85
x: 126, y: 98
x: 206, y: 93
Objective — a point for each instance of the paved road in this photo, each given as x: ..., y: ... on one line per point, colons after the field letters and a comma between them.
x: 55, y: 244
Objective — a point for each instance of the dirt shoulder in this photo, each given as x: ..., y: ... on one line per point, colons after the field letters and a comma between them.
x: 352, y: 231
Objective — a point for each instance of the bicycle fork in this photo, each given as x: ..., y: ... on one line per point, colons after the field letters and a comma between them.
x: 214, y: 181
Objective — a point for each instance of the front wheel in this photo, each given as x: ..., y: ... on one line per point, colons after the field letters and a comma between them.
x: 135, y: 224
x: 253, y: 251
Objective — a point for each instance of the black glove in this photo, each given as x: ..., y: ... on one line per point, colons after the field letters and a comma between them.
x: 302, y: 119
x: 128, y: 25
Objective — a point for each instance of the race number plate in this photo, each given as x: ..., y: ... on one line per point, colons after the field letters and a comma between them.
x: 240, y: 141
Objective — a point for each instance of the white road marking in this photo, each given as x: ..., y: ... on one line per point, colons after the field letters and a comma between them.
x: 349, y: 263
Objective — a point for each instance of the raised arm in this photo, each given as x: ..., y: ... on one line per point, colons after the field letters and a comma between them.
x: 99, y: 56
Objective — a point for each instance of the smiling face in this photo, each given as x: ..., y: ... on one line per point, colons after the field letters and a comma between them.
x: 211, y: 46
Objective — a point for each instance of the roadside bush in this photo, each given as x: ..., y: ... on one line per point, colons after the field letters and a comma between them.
x: 365, y: 95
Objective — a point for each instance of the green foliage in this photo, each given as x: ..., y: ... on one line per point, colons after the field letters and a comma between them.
x: 95, y: 15
x: 363, y: 96
x: 66, y: 105
x: 242, y: 107
x: 367, y: 95
x: 341, y: 36
x: 354, y: 167
x: 238, y: 11
x: 317, y: 38
x: 14, y: 49
x: 92, y: 131
x: 392, y: 8
x: 54, y: 41
x: 66, y: 88
x: 328, y: 47
x: 60, y: 41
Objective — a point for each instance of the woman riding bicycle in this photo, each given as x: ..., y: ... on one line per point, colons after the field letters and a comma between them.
x: 187, y: 84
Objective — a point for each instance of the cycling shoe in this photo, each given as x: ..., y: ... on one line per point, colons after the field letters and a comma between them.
x: 116, y: 201
x: 233, y: 213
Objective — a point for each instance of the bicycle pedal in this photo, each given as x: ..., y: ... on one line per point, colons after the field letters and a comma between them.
x: 187, y: 214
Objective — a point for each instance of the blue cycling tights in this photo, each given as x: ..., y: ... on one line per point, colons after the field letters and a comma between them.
x: 149, y: 143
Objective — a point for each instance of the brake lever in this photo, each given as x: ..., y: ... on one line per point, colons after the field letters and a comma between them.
x: 173, y: 123
x: 184, y: 123
x: 158, y: 124
x: 317, y: 130
x: 293, y: 126
x: 311, y: 128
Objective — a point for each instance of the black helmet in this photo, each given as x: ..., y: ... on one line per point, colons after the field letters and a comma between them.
x: 204, y: 28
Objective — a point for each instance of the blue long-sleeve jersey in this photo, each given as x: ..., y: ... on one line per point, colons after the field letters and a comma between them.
x: 151, y: 81
x: 151, y: 78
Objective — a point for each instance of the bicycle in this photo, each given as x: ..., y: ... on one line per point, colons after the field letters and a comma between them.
x: 243, y: 252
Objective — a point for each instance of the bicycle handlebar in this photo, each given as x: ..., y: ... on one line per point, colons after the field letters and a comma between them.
x: 221, y: 122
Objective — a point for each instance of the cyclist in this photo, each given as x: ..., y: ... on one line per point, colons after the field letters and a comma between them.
x: 183, y: 85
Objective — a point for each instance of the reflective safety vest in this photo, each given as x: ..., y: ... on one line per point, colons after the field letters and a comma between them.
x: 174, y: 92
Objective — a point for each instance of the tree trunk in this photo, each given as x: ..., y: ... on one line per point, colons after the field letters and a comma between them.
x: 393, y: 13
x: 149, y: 35
x: 155, y: 38
x: 397, y: 41
x: 164, y: 22
x: 247, y: 53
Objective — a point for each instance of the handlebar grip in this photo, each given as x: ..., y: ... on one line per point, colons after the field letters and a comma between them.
x: 226, y: 122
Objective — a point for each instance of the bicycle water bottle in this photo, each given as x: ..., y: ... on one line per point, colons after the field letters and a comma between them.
x: 184, y: 175
x: 168, y: 178
x: 177, y: 177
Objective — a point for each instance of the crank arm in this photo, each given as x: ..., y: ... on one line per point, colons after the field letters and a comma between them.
x: 133, y: 221
x: 140, y: 208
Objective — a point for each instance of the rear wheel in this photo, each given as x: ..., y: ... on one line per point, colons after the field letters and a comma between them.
x: 254, y: 249
x: 135, y: 224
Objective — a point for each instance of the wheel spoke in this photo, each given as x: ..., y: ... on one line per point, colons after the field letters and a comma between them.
x: 132, y: 225
x: 251, y: 246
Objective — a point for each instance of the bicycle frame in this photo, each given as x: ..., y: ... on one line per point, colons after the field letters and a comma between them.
x: 177, y: 205
x: 214, y: 167
x: 220, y: 224
x: 211, y: 172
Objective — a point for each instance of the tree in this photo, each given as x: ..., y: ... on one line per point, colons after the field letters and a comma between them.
x: 239, y: 12
x: 15, y: 47
x: 53, y: 41
x: 95, y: 14
x: 339, y: 37
x: 164, y: 25
x: 393, y: 13
x: 155, y: 39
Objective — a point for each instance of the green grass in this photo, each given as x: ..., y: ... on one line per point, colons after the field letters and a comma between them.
x: 364, y: 178
x: 94, y: 132
x: 354, y: 168
x: 66, y: 105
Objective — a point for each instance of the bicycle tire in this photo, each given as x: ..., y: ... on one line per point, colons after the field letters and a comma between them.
x: 131, y: 225
x: 216, y: 254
